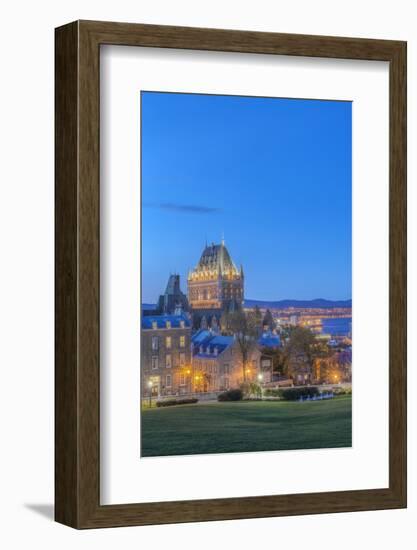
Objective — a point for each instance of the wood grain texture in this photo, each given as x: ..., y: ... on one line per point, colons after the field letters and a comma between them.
x: 66, y: 254
x: 78, y: 285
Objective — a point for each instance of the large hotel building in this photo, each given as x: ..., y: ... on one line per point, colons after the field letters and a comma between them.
x: 215, y: 285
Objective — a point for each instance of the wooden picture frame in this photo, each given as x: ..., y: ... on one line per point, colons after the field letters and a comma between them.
x: 77, y: 374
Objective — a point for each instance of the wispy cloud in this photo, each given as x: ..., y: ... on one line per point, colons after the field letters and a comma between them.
x: 188, y: 208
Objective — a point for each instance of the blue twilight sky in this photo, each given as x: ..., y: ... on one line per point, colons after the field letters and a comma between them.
x: 274, y: 175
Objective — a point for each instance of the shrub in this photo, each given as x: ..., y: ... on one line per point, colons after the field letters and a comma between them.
x: 273, y: 392
x: 230, y: 395
x: 338, y: 390
x: 292, y: 394
x: 251, y: 390
x: 172, y: 402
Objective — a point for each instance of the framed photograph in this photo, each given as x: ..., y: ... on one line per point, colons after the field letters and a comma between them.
x: 230, y: 274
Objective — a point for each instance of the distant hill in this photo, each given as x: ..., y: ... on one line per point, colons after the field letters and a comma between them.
x: 281, y: 304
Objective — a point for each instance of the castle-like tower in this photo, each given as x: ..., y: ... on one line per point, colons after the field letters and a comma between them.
x: 215, y: 283
x: 173, y: 300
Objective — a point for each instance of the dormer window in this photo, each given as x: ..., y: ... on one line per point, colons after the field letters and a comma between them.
x: 168, y: 324
x: 216, y: 351
x: 182, y: 324
x: 154, y: 325
x: 201, y: 349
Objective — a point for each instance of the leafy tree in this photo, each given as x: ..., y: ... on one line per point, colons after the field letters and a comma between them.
x: 301, y: 340
x: 299, y: 349
x: 279, y: 359
x: 258, y: 317
x: 269, y: 320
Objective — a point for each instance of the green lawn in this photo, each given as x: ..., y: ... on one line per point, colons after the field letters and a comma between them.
x: 246, y: 426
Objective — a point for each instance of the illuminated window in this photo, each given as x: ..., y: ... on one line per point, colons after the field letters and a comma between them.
x: 182, y: 359
x: 154, y: 325
x: 168, y: 360
x: 182, y: 341
x: 182, y: 324
x: 155, y: 362
x: 155, y: 343
x: 168, y: 324
x: 168, y: 342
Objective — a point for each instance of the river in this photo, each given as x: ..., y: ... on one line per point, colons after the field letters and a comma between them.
x: 337, y: 327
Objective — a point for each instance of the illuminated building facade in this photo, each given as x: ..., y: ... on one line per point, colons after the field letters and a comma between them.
x: 215, y: 285
x: 217, y: 362
x: 166, y: 355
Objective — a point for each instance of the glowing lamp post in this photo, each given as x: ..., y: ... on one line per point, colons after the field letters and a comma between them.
x: 188, y: 374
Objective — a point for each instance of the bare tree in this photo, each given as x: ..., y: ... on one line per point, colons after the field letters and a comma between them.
x: 245, y: 327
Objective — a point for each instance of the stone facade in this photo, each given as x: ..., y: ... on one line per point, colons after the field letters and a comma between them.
x: 217, y: 362
x: 215, y: 285
x: 166, y: 355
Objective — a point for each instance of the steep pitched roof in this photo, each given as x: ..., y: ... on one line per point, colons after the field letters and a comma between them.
x: 216, y: 257
x: 205, y: 344
x: 269, y: 340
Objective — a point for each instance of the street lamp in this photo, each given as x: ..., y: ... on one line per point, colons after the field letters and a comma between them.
x: 188, y: 379
x: 150, y: 393
x: 260, y: 379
